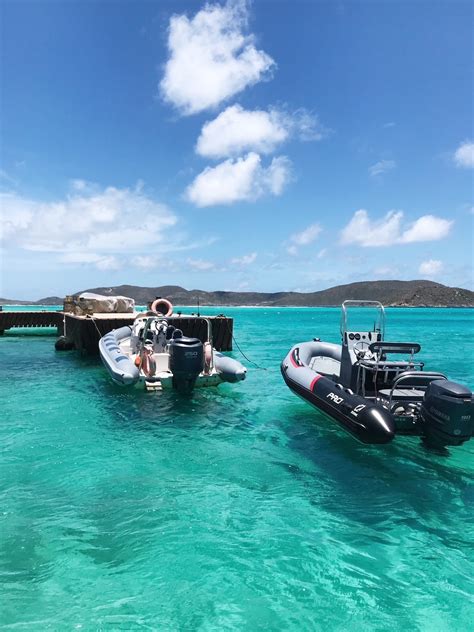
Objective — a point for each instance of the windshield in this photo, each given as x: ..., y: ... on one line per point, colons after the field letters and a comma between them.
x: 362, y: 316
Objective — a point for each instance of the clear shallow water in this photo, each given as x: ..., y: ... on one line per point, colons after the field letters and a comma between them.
x: 240, y: 508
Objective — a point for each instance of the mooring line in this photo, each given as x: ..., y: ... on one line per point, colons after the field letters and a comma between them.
x: 261, y: 368
x: 95, y: 325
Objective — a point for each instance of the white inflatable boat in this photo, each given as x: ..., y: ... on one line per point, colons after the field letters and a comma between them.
x: 156, y: 354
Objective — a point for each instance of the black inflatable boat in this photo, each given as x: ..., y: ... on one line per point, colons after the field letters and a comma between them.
x: 372, y: 395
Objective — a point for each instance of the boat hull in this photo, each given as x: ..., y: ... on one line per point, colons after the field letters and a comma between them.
x: 369, y: 423
x: 121, y: 368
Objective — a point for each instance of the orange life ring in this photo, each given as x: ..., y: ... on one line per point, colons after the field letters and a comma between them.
x: 164, y: 303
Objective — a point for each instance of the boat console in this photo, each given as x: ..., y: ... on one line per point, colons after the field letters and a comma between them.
x: 365, y: 363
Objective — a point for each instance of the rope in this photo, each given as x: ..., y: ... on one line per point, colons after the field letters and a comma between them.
x: 261, y: 368
x: 95, y: 324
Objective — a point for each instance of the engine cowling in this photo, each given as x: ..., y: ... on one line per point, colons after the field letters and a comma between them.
x: 186, y: 362
x: 447, y: 413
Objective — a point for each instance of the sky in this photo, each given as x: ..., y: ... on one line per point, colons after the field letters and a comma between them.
x: 270, y: 145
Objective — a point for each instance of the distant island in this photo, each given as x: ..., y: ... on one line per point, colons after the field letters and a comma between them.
x: 389, y: 293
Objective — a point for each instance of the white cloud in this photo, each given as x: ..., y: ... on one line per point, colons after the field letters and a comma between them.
x: 307, y: 236
x: 91, y: 225
x: 210, y: 57
x: 389, y: 124
x: 245, y: 260
x: 382, y: 167
x: 464, y: 155
x: 388, y: 231
x: 427, y: 228
x: 79, y: 185
x: 242, y: 179
x: 16, y: 216
x: 432, y: 267
x: 80, y: 257
x: 147, y: 262
x: 322, y: 253
x: 363, y: 231
x: 237, y: 130
x: 306, y: 126
x: 201, y: 264
x: 6, y: 177
x: 107, y: 262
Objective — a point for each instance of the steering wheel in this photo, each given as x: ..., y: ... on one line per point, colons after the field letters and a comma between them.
x: 360, y: 347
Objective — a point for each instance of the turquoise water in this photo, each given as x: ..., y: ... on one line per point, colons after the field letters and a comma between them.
x: 240, y: 508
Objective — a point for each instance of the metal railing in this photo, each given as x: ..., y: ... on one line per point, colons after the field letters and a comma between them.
x: 423, y: 377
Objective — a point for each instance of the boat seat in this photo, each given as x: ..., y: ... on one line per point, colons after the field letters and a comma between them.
x: 326, y: 365
x: 402, y: 394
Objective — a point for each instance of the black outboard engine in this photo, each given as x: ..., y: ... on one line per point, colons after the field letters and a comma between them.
x: 186, y: 362
x: 447, y: 414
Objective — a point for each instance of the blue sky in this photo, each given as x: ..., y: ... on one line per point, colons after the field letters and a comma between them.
x: 267, y: 145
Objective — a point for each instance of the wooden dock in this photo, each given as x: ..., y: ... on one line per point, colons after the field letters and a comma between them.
x: 10, y: 319
x: 83, y: 332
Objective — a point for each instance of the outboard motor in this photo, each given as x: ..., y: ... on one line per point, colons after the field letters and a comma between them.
x: 447, y: 414
x: 186, y: 362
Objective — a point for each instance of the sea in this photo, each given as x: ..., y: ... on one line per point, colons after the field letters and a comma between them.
x: 238, y: 508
